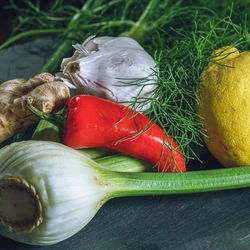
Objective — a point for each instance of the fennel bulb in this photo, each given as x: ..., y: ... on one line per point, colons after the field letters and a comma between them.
x: 61, y: 180
x: 48, y: 191
x: 114, y: 68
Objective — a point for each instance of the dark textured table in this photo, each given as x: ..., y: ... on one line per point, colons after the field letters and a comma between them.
x: 214, y: 220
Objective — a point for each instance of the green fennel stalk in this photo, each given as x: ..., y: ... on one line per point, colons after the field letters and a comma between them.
x: 134, y: 184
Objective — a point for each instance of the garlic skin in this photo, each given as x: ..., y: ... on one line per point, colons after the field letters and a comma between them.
x: 107, y: 67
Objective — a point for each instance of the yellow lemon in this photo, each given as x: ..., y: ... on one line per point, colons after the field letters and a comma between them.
x: 223, y: 106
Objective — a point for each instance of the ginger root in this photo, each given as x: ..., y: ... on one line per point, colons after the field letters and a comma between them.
x: 47, y: 94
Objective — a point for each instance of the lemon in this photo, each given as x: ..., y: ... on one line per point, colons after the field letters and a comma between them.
x: 223, y: 106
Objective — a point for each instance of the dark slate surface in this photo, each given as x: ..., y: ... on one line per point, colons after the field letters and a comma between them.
x: 214, y: 220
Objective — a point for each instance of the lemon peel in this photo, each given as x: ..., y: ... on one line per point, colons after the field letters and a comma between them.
x: 223, y: 106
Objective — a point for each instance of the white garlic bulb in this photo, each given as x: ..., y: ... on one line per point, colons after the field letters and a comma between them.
x: 114, y: 68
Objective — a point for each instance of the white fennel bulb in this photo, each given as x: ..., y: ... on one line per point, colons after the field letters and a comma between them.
x: 114, y: 68
x: 48, y: 192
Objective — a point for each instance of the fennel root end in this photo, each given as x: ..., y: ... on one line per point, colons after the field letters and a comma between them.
x: 20, y: 206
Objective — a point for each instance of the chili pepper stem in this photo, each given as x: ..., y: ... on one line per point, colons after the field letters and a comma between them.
x: 137, y: 184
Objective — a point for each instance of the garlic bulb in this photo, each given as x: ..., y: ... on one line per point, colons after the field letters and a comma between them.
x: 114, y: 68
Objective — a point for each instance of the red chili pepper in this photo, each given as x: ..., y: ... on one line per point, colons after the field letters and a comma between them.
x: 95, y: 122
